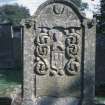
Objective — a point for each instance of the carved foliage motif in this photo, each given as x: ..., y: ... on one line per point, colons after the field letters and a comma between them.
x: 57, y: 51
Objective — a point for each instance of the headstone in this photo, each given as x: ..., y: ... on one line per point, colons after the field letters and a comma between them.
x: 59, y: 56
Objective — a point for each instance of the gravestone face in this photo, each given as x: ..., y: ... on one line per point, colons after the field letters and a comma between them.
x: 59, y: 52
x: 58, y: 45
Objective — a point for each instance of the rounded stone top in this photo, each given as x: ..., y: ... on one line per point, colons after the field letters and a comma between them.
x: 68, y: 3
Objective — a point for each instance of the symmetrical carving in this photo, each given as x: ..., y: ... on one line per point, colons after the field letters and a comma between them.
x: 57, y: 51
x: 57, y: 42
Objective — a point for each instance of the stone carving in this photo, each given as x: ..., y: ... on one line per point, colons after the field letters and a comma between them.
x: 53, y: 45
x: 57, y: 62
x: 41, y: 67
x: 73, y: 66
x: 57, y: 51
x: 57, y: 41
x: 72, y: 51
x: 64, y: 61
x: 41, y: 52
x: 58, y: 9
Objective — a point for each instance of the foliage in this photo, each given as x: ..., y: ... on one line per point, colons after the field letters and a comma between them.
x: 84, y: 6
x: 102, y: 19
x: 13, y: 13
x: 77, y: 2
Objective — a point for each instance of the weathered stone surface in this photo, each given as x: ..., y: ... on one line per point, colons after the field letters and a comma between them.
x: 59, y: 56
x: 57, y: 101
x: 58, y: 39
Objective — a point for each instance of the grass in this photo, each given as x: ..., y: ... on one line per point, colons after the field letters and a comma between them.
x: 9, y: 80
x: 99, y: 100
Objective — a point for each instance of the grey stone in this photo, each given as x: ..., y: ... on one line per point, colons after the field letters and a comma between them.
x: 59, y: 56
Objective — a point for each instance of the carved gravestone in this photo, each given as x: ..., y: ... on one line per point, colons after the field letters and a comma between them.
x: 59, y: 56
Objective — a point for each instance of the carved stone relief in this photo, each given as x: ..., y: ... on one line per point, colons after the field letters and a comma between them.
x: 58, y: 9
x: 57, y: 51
